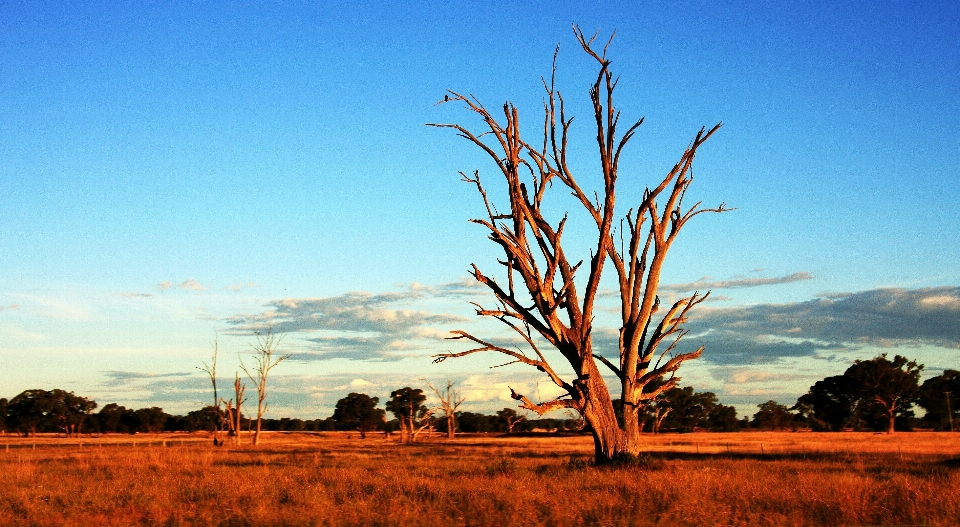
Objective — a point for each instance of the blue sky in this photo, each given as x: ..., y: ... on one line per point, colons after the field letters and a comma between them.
x: 168, y: 173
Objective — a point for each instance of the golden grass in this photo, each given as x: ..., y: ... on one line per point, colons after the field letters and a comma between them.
x: 303, y: 479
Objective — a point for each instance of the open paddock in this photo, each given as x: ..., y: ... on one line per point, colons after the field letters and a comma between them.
x: 752, y: 478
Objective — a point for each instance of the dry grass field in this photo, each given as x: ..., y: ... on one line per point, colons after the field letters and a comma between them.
x: 332, y: 479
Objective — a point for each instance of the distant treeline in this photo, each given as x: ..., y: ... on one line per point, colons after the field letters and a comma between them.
x: 878, y: 394
x: 59, y: 411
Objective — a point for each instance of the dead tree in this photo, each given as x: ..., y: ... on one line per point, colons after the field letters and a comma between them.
x: 229, y: 422
x: 233, y: 414
x: 658, y: 416
x: 407, y: 405
x: 211, y: 370
x: 264, y: 361
x: 450, y: 400
x: 511, y: 418
x: 543, y: 299
x: 412, y: 425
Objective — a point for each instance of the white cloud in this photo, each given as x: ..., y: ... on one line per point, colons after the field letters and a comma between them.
x: 881, y: 317
x: 941, y: 302
x: 191, y: 284
x: 357, y: 325
x: 241, y: 286
x: 748, y: 375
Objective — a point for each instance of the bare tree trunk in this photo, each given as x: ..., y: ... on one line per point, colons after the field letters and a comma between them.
x: 609, y: 440
x: 658, y: 419
x: 416, y: 431
x: 409, y: 422
x: 631, y: 420
x: 228, y: 415
x: 513, y: 422
x: 239, y: 390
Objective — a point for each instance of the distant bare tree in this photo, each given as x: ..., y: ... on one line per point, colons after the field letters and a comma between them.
x: 540, y: 298
x: 450, y: 400
x: 211, y: 370
x: 658, y: 416
x: 233, y: 414
x: 511, y: 418
x: 264, y: 361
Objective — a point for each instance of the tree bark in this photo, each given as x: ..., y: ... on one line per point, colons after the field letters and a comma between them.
x: 609, y: 440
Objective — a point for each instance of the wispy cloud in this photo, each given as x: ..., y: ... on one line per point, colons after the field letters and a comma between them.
x: 124, y: 378
x: 134, y: 295
x: 466, y: 285
x: 706, y: 283
x: 241, y: 286
x: 356, y: 312
x: 191, y: 284
x: 13, y: 332
x: 739, y: 375
x: 384, y: 347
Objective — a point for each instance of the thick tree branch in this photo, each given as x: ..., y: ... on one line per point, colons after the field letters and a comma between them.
x: 542, y: 408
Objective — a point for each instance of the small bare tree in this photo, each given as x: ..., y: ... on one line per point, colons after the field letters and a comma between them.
x: 511, y: 418
x: 659, y: 414
x: 450, y: 400
x: 413, y: 416
x: 264, y: 361
x: 233, y: 414
x: 543, y: 297
x: 211, y: 370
